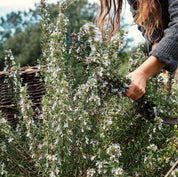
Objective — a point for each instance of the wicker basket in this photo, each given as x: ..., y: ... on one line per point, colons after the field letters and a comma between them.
x: 35, y: 90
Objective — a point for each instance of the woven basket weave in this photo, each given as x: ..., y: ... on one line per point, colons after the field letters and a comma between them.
x: 35, y: 90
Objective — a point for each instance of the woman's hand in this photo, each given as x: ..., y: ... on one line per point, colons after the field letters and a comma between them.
x: 138, y: 84
x: 139, y: 77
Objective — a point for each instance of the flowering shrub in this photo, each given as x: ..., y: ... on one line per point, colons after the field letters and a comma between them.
x: 85, y: 127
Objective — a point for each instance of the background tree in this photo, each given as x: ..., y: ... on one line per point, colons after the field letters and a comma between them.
x: 21, y: 31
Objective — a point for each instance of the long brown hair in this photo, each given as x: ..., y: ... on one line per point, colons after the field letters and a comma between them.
x: 147, y: 15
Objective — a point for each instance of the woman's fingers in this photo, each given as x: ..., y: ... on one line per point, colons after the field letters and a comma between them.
x: 137, y: 87
x: 135, y: 92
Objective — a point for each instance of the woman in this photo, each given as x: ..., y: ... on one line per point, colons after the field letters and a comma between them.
x: 153, y: 18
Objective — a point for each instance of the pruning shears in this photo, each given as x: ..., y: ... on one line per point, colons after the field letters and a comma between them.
x: 147, y: 110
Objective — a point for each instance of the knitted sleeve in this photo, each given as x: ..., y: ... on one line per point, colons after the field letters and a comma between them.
x: 167, y: 48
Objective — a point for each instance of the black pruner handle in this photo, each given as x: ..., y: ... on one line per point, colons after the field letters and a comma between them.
x: 147, y: 109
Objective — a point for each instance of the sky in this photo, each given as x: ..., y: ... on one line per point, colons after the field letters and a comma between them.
x: 6, y: 6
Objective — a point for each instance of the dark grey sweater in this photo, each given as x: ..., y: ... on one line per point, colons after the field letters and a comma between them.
x: 167, y: 48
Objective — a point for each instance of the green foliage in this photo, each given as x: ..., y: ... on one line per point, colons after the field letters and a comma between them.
x: 16, y: 22
x: 2, y: 54
x: 26, y: 45
x: 13, y: 76
x: 84, y: 12
x: 85, y: 126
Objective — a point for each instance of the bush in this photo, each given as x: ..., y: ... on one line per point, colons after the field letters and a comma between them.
x: 85, y: 127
